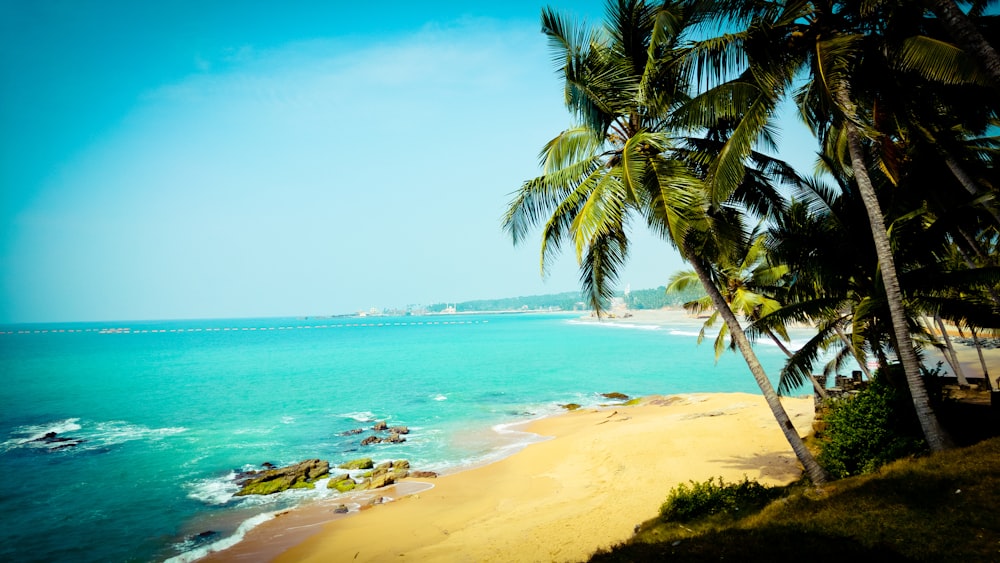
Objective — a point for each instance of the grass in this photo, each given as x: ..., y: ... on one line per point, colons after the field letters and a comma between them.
x: 942, y: 507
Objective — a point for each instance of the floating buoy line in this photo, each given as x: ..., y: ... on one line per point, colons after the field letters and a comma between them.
x: 129, y: 330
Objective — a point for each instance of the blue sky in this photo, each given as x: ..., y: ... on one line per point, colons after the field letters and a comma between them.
x: 194, y: 159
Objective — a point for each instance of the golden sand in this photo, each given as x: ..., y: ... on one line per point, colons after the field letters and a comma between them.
x: 603, y: 472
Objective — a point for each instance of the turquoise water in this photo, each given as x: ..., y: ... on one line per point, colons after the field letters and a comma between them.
x: 161, y: 414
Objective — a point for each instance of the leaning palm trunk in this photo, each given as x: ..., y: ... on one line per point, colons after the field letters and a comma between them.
x: 934, y: 433
x: 932, y: 327
x: 816, y: 386
x: 960, y: 174
x: 816, y: 473
x: 955, y: 364
x: 982, y: 360
x: 854, y: 352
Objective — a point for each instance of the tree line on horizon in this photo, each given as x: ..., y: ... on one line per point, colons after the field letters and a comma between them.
x: 895, y: 231
x: 576, y: 301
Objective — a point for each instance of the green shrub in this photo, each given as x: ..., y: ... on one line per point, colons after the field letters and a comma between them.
x: 686, y: 503
x: 868, y: 430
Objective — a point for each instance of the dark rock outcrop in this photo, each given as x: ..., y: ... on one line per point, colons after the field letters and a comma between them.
x: 353, y: 432
x: 616, y: 396
x: 54, y: 442
x: 395, y: 434
x: 270, y: 481
x: 423, y: 475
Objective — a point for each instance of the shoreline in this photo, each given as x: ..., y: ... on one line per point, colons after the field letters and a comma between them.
x: 312, y: 532
x: 601, y: 472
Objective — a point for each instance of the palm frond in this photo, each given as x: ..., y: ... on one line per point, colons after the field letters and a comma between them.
x: 602, y: 263
x: 939, y: 61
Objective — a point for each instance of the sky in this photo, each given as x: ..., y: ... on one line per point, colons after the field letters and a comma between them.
x: 192, y: 159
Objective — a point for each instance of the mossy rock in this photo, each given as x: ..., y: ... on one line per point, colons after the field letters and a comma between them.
x: 332, y: 483
x: 271, y: 486
x: 264, y: 487
x: 400, y: 464
x: 617, y: 396
x: 384, y: 466
x: 298, y: 476
x: 360, y: 463
x: 343, y: 485
x: 633, y: 402
x: 570, y: 406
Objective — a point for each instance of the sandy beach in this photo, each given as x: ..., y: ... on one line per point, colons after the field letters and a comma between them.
x: 598, y: 474
x: 602, y: 472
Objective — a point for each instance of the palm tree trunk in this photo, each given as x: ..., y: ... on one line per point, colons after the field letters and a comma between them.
x: 968, y: 37
x: 968, y: 183
x: 816, y: 473
x: 932, y: 329
x: 955, y: 365
x: 934, y: 433
x: 857, y: 357
x: 982, y: 360
x: 816, y: 386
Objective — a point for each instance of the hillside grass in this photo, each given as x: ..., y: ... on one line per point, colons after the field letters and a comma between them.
x: 942, y: 507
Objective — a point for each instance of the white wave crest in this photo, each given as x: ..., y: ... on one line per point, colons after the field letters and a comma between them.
x: 216, y: 491
x: 70, y: 434
x: 683, y: 333
x: 224, y: 543
x: 360, y: 416
x: 32, y: 435
x: 440, y: 397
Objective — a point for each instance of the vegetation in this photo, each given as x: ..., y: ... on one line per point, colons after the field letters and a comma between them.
x: 701, y: 500
x: 573, y: 301
x: 674, y: 127
x: 863, y: 432
x: 936, y: 508
x: 567, y: 301
x: 659, y: 298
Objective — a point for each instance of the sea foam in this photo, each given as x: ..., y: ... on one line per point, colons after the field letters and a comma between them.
x: 224, y: 543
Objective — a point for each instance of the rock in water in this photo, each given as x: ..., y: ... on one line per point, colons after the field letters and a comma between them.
x: 360, y: 463
x: 270, y: 481
x: 380, y: 426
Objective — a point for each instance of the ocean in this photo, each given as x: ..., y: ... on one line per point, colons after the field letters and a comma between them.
x: 153, y: 419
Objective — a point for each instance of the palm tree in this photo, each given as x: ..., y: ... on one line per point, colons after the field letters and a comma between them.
x: 823, y: 41
x: 620, y: 162
x: 749, y: 281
